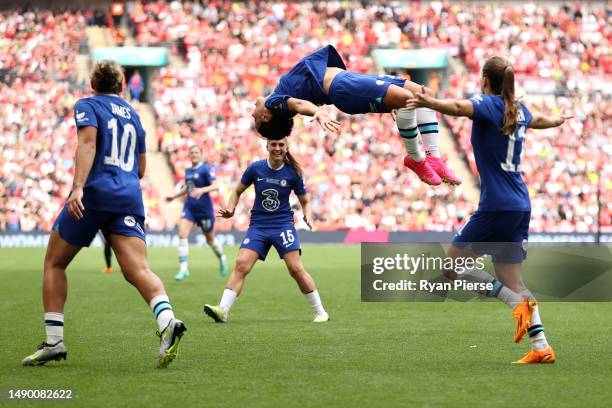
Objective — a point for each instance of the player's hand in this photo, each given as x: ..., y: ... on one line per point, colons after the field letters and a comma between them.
x: 225, y: 213
x: 420, y: 100
x: 307, y: 221
x: 197, y: 193
x: 75, y: 205
x: 563, y: 117
x: 330, y: 126
x: 169, y: 198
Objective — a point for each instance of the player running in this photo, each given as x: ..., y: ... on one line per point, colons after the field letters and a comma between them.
x: 106, y: 195
x: 198, y: 209
x: 321, y: 79
x: 271, y: 225
x: 500, y: 226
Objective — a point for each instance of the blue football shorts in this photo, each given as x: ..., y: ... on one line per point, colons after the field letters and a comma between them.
x: 260, y: 239
x: 361, y: 93
x: 82, y: 232
x: 203, y: 220
x: 501, y: 234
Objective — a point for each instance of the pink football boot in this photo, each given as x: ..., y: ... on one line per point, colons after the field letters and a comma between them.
x: 423, y: 170
x: 443, y: 171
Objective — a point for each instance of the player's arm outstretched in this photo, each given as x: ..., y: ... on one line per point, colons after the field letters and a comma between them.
x: 85, y: 154
x: 305, y: 204
x: 464, y: 107
x: 228, y: 212
x: 180, y: 193
x: 453, y: 107
x: 308, y: 108
x: 199, y: 192
x: 540, y: 121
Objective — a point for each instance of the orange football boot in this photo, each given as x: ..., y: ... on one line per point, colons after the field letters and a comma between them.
x: 522, y: 314
x: 546, y: 356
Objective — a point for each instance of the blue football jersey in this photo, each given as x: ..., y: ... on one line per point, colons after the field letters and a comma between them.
x: 304, y: 81
x: 196, y: 177
x: 272, y: 190
x: 498, y: 157
x: 113, y: 184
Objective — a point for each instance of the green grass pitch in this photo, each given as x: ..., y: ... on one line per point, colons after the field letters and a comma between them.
x: 270, y: 354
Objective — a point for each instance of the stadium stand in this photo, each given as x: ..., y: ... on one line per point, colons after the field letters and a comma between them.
x: 38, y: 88
x: 209, y: 100
x: 561, y: 54
x: 232, y: 52
x: 235, y: 52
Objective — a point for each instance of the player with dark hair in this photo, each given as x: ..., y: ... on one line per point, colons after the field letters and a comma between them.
x: 500, y: 226
x: 197, y: 210
x: 106, y: 196
x: 321, y: 78
x: 271, y: 225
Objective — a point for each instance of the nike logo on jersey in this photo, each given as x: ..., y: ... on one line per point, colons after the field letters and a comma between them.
x: 80, y: 117
x: 282, y: 183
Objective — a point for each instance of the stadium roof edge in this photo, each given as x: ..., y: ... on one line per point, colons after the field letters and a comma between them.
x: 133, y: 56
x: 424, y: 58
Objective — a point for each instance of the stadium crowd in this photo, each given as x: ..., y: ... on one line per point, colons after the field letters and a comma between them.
x: 561, y: 53
x: 38, y: 89
x: 235, y: 51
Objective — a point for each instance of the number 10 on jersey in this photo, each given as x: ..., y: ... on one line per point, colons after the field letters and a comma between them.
x: 119, y: 155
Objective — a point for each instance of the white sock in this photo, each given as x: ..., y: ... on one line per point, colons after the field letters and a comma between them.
x: 227, y: 299
x: 54, y: 327
x: 315, y: 301
x: 476, y: 276
x: 162, y: 310
x: 527, y: 294
x: 535, y: 329
x: 428, y: 128
x: 407, y: 125
x: 508, y: 296
x: 499, y: 291
x: 535, y: 316
x: 217, y: 248
x: 183, y: 251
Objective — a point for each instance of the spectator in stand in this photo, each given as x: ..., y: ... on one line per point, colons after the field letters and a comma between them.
x: 136, y: 86
x: 117, y: 10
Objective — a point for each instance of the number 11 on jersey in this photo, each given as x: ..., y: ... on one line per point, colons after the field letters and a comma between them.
x: 509, y: 165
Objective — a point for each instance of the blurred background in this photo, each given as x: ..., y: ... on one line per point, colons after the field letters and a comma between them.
x: 194, y: 69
